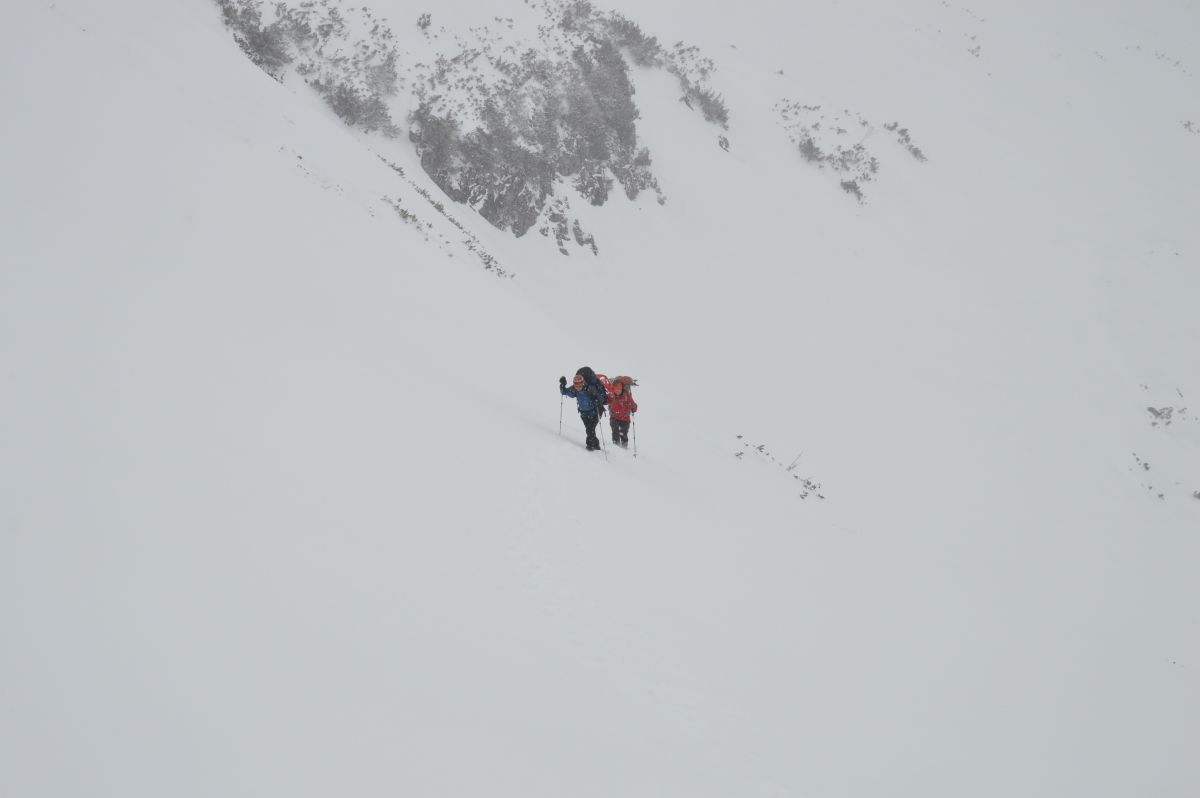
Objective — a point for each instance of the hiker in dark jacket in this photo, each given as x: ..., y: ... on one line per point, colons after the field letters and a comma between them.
x: 591, y: 398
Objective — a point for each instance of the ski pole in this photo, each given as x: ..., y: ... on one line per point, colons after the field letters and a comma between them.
x: 633, y: 423
x: 603, y: 445
x: 560, y: 406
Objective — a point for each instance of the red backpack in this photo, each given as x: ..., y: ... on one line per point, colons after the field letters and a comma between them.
x: 628, y: 382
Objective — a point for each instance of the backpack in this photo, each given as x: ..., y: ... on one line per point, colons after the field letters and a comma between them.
x: 607, y: 384
x: 598, y: 389
x: 622, y: 404
x: 597, y: 386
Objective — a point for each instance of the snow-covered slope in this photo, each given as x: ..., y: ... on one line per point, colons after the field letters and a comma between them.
x: 284, y: 506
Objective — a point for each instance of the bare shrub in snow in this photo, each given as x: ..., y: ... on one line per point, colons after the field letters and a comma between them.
x: 828, y: 139
x: 1173, y: 425
x: 407, y: 216
x: 810, y: 151
x: 712, y: 105
x: 470, y: 241
x: 905, y: 140
x: 808, y: 487
x: 584, y: 239
x: 1164, y: 415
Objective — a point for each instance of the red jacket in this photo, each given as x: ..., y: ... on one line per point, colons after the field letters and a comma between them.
x: 621, y: 405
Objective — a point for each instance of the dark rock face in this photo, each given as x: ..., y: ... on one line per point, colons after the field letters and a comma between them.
x: 563, y: 113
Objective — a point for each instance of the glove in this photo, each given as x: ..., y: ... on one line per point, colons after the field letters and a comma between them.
x: 562, y: 382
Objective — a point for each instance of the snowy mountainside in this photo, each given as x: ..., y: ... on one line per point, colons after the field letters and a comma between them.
x: 284, y: 503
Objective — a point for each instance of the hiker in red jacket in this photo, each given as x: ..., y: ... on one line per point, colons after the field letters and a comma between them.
x: 621, y: 407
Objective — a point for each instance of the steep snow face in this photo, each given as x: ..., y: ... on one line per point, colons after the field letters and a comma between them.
x: 284, y: 506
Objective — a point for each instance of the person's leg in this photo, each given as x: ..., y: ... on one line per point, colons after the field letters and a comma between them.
x: 590, y: 420
x: 624, y: 430
x: 616, y: 429
x: 587, y: 434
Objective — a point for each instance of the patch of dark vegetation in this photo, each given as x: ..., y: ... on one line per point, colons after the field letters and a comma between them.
x: 837, y: 140
x: 407, y: 216
x: 1164, y: 415
x: 905, y: 140
x: 1163, y: 58
x: 1174, y: 426
x: 312, y: 39
x: 584, y: 239
x: 808, y: 487
x: 469, y: 240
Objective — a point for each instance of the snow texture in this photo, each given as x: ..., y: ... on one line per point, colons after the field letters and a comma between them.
x: 284, y: 504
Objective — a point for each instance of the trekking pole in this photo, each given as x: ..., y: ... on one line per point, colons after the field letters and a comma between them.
x: 633, y: 423
x: 603, y: 445
x: 560, y: 406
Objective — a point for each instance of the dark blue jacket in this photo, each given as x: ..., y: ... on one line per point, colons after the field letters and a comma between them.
x: 587, y: 406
